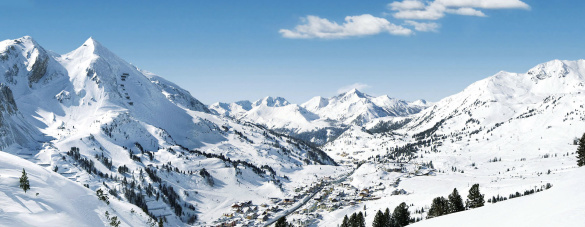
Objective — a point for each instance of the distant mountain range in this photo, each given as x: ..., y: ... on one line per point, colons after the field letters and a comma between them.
x: 319, y: 120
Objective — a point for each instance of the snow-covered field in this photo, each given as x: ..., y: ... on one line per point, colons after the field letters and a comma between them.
x: 562, y: 205
x: 54, y: 200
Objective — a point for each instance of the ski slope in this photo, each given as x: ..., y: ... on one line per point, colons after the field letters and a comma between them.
x: 561, y: 205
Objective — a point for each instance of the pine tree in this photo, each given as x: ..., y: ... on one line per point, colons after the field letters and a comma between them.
x: 439, y: 207
x: 102, y: 196
x: 379, y: 220
x: 455, y: 202
x: 160, y: 222
x: 281, y: 222
x: 345, y: 222
x: 387, y: 217
x: 401, y: 215
x: 24, y: 183
x: 114, y: 222
x: 360, y: 220
x: 475, y: 198
x: 581, y: 151
x: 353, y: 220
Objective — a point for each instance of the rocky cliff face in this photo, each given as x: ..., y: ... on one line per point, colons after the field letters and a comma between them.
x: 7, y: 103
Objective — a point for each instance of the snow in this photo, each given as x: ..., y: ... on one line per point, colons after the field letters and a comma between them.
x: 54, y: 200
x: 561, y: 205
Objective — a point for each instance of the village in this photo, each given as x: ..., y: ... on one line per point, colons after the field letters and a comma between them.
x: 306, y: 203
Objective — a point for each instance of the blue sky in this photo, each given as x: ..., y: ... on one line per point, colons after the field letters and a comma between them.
x: 232, y: 50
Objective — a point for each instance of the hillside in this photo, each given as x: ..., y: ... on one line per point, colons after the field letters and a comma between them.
x: 54, y: 200
x: 559, y: 206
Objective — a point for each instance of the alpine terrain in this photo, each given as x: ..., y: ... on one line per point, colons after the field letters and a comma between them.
x: 88, y: 139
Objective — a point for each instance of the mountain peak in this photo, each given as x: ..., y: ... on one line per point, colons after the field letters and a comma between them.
x: 272, y: 101
x: 26, y: 42
x: 96, y: 47
x: 93, y: 47
x: 315, y: 103
x: 91, y: 42
x: 556, y: 68
x: 353, y: 92
x: 26, y: 38
x: 420, y: 102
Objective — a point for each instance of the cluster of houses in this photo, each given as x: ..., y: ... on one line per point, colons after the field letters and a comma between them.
x: 247, y: 214
x: 331, y: 198
x: 336, y: 196
x: 327, y: 195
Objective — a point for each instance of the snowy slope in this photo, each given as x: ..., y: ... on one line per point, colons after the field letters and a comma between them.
x: 176, y: 94
x: 562, y: 205
x: 54, y: 200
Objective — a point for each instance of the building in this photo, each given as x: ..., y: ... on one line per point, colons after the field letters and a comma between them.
x: 263, y: 218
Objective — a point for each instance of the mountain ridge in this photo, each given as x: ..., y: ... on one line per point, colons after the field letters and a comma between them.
x: 319, y: 120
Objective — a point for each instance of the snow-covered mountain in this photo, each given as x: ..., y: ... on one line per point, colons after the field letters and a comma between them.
x: 509, y: 133
x: 320, y: 119
x: 544, y: 102
x: 357, y: 108
x: 100, y: 121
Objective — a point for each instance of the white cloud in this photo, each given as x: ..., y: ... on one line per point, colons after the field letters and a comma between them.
x: 485, y: 4
x: 362, y: 25
x: 430, y: 12
x: 358, y: 86
x: 466, y: 12
x: 435, y: 10
x: 406, y: 5
x: 407, y: 10
x: 423, y: 27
